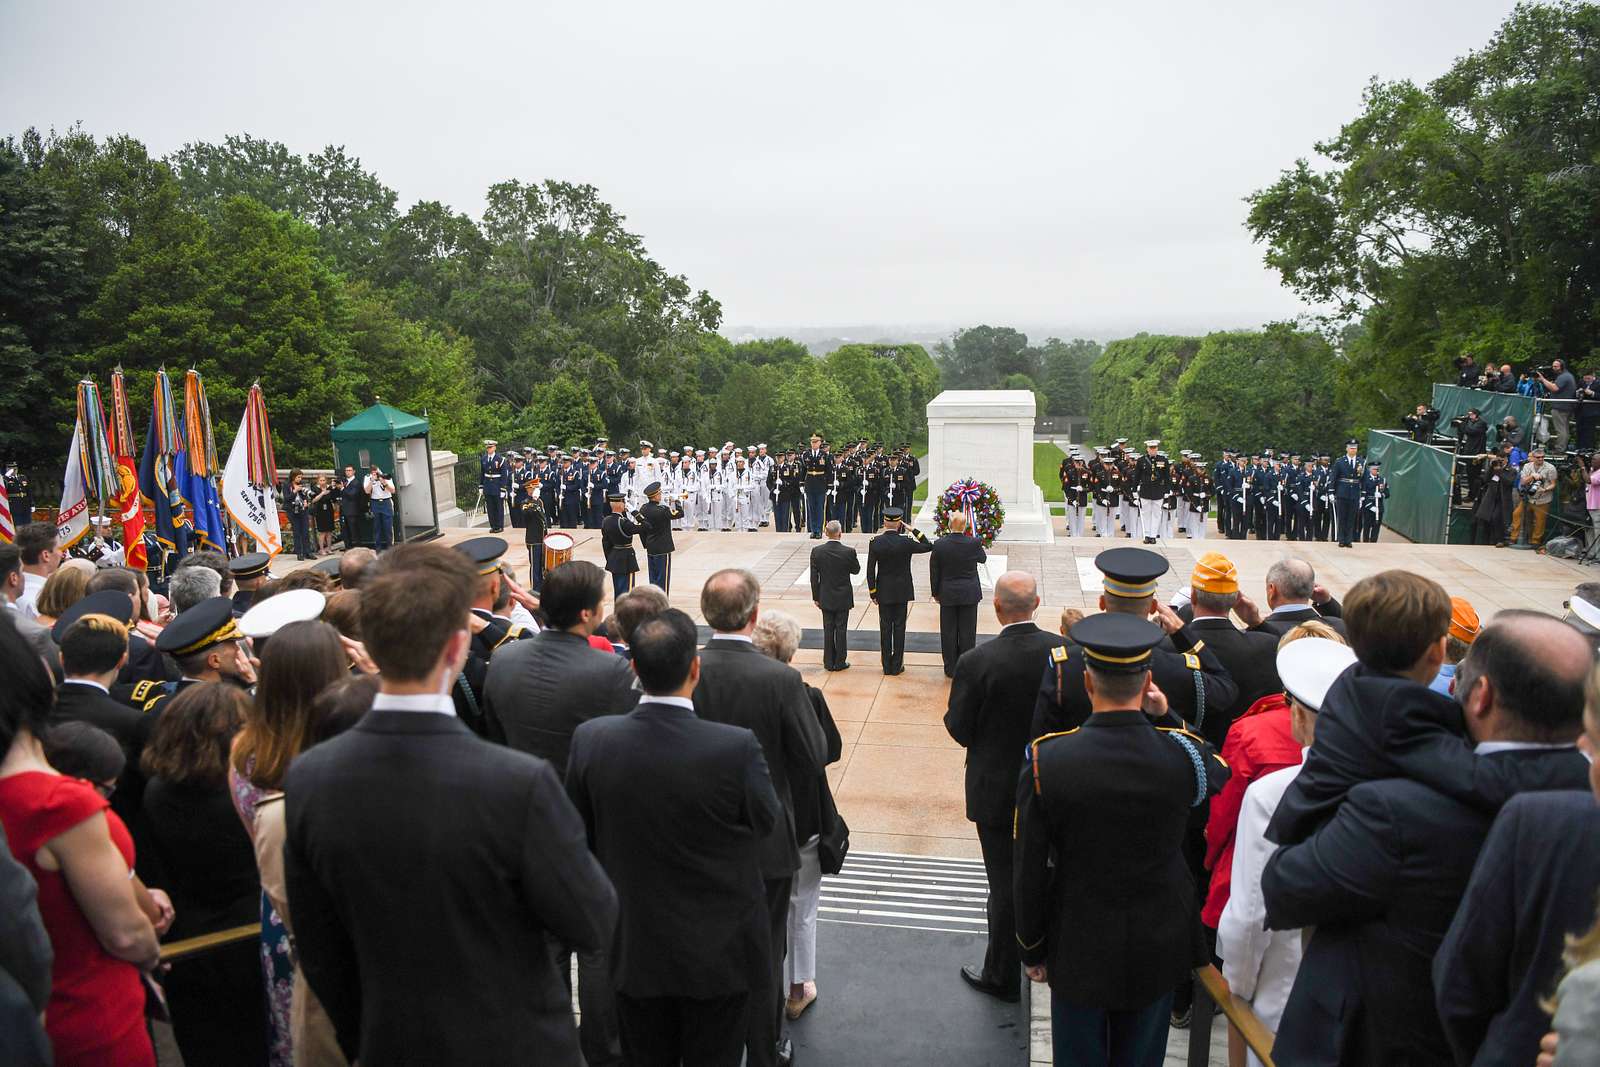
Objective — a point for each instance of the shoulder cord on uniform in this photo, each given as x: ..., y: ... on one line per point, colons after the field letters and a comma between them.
x: 465, y: 688
x: 1199, y: 699
x: 1199, y: 767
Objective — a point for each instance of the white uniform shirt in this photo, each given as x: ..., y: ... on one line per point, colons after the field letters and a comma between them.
x: 377, y: 487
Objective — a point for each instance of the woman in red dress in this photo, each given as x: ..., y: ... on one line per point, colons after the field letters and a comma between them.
x: 80, y: 854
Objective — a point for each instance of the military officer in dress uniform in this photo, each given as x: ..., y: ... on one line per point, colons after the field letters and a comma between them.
x: 249, y: 571
x: 818, y: 465
x: 19, y: 494
x: 535, y: 523
x: 1347, y: 478
x: 1193, y: 679
x: 206, y: 644
x: 1153, y: 479
x: 516, y: 474
x: 489, y: 631
x: 1322, y: 505
x: 493, y: 472
x: 616, y: 541
x: 1106, y: 912
x: 657, y: 536
x: 890, y: 587
x: 1374, y: 491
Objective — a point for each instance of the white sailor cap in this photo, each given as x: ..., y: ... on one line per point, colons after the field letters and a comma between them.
x: 646, y: 444
x: 1587, y: 613
x: 1154, y: 442
x: 487, y: 443
x: 1308, y: 667
x: 276, y: 612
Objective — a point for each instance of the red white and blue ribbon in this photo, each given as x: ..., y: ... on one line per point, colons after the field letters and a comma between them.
x: 967, y: 493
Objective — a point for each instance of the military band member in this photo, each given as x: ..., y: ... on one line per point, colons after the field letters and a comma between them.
x: 656, y: 519
x: 1374, y: 491
x: 1117, y: 926
x: 1347, y: 479
x: 493, y: 472
x: 534, y: 526
x: 818, y: 463
x: 1190, y: 674
x: 616, y: 541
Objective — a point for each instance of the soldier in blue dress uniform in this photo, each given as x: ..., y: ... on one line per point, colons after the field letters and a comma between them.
x: 493, y: 478
x: 1347, y: 477
x: 1374, y: 491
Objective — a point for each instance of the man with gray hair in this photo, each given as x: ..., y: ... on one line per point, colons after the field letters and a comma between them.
x: 991, y: 706
x: 353, y: 567
x: 190, y: 585
x: 741, y: 687
x: 211, y: 560
x: 832, y: 564
x: 1293, y: 597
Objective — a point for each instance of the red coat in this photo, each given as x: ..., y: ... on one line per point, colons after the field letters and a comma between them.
x: 1259, y: 742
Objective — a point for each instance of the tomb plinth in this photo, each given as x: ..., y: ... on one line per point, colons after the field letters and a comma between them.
x: 987, y: 435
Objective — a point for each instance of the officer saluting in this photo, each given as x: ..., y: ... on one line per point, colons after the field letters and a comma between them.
x: 890, y: 586
x: 489, y: 631
x: 657, y: 518
x: 616, y: 541
x: 1347, y: 477
x: 1112, y: 925
x: 1194, y: 680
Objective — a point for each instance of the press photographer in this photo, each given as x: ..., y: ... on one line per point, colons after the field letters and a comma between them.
x: 1559, y: 385
x: 1467, y: 372
x: 1421, y: 424
x: 1536, y: 487
x: 1472, y: 433
x: 1508, y: 432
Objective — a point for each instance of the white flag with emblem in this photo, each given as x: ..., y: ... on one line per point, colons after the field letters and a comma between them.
x: 251, y: 506
x: 73, y: 522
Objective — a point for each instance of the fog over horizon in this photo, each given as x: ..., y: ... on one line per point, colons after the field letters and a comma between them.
x: 843, y: 169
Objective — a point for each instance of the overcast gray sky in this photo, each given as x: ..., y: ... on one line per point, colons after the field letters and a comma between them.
x: 825, y: 163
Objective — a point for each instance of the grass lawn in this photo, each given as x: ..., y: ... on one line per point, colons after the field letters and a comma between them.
x: 1046, y: 464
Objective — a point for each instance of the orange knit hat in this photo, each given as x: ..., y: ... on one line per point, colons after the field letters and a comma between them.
x: 1215, y: 573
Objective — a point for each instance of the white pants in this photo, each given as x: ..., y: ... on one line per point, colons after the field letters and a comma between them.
x: 1150, y: 514
x: 1166, y: 524
x: 744, y: 512
x: 1180, y: 518
x: 763, y: 502
x: 1104, y: 521
x: 1197, y: 526
x: 1074, y: 521
x: 801, y: 963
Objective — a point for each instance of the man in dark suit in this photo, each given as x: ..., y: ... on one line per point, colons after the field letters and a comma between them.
x: 832, y: 564
x: 1186, y: 671
x: 1114, y: 924
x: 991, y: 703
x: 741, y: 687
x: 657, y: 536
x: 1381, y: 879
x: 1293, y: 597
x: 1533, y: 887
x: 537, y: 692
x: 953, y: 577
x: 144, y: 663
x: 677, y: 809
x: 889, y: 584
x: 1250, y: 657
x: 427, y: 869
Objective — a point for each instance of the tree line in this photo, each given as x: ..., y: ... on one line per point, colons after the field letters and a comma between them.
x: 545, y: 321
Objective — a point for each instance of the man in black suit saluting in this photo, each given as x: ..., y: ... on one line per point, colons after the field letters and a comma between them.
x: 421, y: 857
x: 991, y: 706
x: 832, y: 564
x: 681, y: 838
x: 741, y: 687
x: 889, y: 584
x: 953, y: 574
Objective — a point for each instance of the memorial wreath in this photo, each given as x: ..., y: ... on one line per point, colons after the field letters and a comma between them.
x: 979, y: 502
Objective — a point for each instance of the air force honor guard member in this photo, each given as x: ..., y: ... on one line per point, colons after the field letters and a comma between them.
x: 616, y: 541
x: 657, y: 536
x: 1116, y: 928
x: 1347, y: 478
x: 1194, y: 680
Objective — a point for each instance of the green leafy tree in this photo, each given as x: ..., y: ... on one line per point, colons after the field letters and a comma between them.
x: 1132, y: 383
x: 430, y: 259
x: 745, y: 409
x: 1066, y: 381
x: 858, y: 369
x: 1253, y: 390
x: 809, y: 400
x: 982, y: 357
x: 1456, y: 216
x: 561, y: 413
x: 42, y: 287
x: 771, y: 351
x: 1021, y: 381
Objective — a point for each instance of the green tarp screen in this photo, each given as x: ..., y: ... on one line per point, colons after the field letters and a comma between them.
x: 1419, y: 486
x: 1452, y: 400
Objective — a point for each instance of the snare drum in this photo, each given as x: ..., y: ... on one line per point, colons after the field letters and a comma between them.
x: 557, y: 550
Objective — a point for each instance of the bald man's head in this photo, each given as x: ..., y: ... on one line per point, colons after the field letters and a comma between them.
x: 1016, y: 595
x: 1526, y: 669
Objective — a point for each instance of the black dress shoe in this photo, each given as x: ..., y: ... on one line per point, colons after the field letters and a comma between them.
x: 785, y: 1052
x: 974, y: 978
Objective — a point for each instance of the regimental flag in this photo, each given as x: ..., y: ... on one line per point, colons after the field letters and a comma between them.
x: 248, y: 476
x: 126, y: 502
x: 8, y: 525
x: 159, y: 493
x: 72, y: 524
x: 200, y: 494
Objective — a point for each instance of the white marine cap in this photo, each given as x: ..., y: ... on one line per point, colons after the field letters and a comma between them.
x: 1587, y: 613
x: 1308, y: 666
x: 276, y: 612
x: 1154, y: 442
